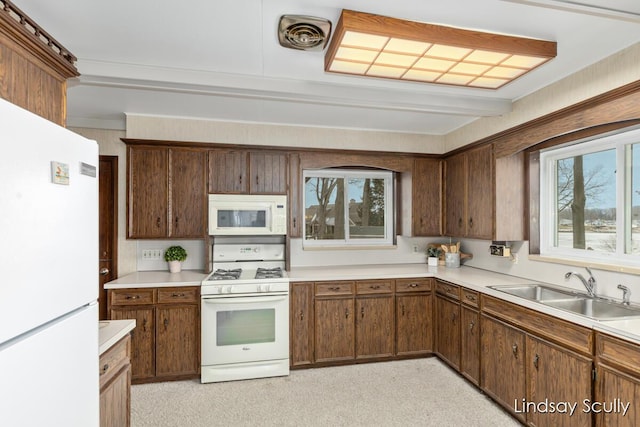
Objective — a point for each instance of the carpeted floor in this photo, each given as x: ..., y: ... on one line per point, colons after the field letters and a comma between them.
x: 418, y: 392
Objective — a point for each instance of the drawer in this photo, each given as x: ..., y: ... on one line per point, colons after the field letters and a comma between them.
x: 619, y: 353
x: 413, y: 285
x: 448, y: 289
x: 131, y: 296
x: 470, y: 297
x: 113, y: 359
x: 178, y: 294
x: 334, y: 288
x: 374, y: 287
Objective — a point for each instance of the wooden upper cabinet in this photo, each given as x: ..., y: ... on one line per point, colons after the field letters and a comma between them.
x: 244, y: 172
x: 296, y: 220
x: 269, y: 173
x: 188, y: 206
x: 228, y: 171
x: 148, y: 192
x: 34, y: 67
x: 484, y: 196
x: 426, y: 203
x: 456, y: 195
x: 166, y: 192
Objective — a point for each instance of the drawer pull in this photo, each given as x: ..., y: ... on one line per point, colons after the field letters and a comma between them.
x: 413, y: 285
x: 301, y: 315
x: 471, y: 325
x: 515, y: 350
x: 104, y: 370
x: 129, y: 297
x: 470, y: 297
x: 346, y: 313
x: 177, y: 295
x: 374, y: 287
x: 536, y: 359
x: 334, y: 288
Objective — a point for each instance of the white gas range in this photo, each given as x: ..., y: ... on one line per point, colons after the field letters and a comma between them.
x: 245, y: 312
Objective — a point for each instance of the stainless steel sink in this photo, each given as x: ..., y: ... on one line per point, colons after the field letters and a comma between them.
x: 572, y: 301
x: 538, y: 292
x: 596, y: 308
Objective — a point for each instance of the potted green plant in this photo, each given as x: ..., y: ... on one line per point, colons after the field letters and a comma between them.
x: 174, y: 255
x: 433, y: 254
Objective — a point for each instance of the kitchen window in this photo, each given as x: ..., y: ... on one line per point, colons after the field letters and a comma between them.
x: 590, y: 200
x: 348, y: 208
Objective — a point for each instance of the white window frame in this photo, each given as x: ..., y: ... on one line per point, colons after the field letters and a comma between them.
x: 548, y: 203
x: 389, y: 214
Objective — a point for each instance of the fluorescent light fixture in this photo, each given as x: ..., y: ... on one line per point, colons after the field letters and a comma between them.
x: 378, y: 46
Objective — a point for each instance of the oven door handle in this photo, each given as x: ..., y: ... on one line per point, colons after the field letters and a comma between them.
x: 245, y: 300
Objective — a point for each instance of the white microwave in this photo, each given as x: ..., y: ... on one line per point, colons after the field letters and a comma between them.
x: 247, y: 214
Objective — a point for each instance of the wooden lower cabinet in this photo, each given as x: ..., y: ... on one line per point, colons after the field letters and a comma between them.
x: 166, y: 341
x: 470, y: 344
x: 617, y: 382
x: 559, y: 375
x: 301, y: 324
x: 448, y: 330
x: 374, y: 327
x: 503, y: 363
x: 115, y: 385
x: 335, y: 330
x: 414, y: 324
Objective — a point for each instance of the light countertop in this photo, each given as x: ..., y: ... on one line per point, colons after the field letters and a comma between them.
x: 112, y: 331
x: 471, y: 278
x: 154, y: 279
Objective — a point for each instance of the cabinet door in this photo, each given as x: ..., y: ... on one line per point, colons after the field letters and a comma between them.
x: 334, y: 334
x: 142, y: 339
x: 548, y: 369
x: 480, y: 190
x: 502, y: 366
x: 148, y: 192
x: 301, y: 332
x: 269, y: 173
x: 470, y: 344
x: 177, y: 347
x: 414, y: 324
x: 455, y: 195
x: 427, y: 197
x: 448, y: 331
x: 614, y: 386
x: 228, y: 171
x: 188, y: 193
x: 374, y: 327
x: 115, y: 400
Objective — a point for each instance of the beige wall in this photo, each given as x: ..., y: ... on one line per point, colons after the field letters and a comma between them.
x: 110, y: 145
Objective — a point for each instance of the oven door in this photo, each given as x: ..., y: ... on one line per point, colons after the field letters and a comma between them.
x: 244, y: 329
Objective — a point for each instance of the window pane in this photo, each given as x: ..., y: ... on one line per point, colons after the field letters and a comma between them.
x: 366, y: 208
x: 324, y: 208
x: 586, y: 202
x: 634, y: 218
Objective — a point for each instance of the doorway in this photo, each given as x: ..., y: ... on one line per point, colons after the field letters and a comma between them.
x: 108, y: 219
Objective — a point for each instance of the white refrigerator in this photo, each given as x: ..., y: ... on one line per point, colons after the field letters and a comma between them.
x: 48, y: 273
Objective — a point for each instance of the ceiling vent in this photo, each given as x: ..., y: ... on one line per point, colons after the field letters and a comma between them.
x: 303, y: 32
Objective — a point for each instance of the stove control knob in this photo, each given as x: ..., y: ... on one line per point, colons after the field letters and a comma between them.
x: 218, y: 289
x: 266, y: 288
x: 229, y: 289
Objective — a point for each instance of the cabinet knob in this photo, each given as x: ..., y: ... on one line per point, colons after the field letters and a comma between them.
x: 470, y: 222
x: 471, y: 325
x: 346, y: 313
x: 104, y: 271
x: 158, y: 222
x: 105, y: 368
x: 536, y: 359
x: 515, y: 350
x: 362, y: 312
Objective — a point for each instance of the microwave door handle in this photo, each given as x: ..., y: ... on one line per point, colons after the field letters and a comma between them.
x: 249, y: 300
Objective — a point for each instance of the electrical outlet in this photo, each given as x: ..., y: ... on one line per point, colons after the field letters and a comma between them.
x: 146, y: 254
x: 415, y: 249
x: 157, y: 254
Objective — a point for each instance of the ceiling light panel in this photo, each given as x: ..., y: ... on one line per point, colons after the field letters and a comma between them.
x: 378, y: 46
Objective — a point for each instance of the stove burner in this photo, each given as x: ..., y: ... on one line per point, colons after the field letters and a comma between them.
x: 269, y: 273
x: 222, y: 274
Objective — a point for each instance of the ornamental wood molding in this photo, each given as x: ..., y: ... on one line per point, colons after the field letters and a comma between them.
x: 18, y: 28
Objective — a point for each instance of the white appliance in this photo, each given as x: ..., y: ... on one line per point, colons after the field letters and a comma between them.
x: 247, y: 214
x: 245, y: 313
x: 49, y: 286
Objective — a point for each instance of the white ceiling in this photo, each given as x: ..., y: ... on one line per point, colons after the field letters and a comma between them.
x: 221, y: 60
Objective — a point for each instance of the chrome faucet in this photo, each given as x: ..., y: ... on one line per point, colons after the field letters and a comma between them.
x: 626, y: 294
x: 589, y: 284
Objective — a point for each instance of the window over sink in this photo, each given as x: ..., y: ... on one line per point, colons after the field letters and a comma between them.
x: 590, y: 200
x: 345, y: 207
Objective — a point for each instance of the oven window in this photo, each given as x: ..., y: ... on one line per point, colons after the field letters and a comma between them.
x: 242, y: 218
x: 246, y: 326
